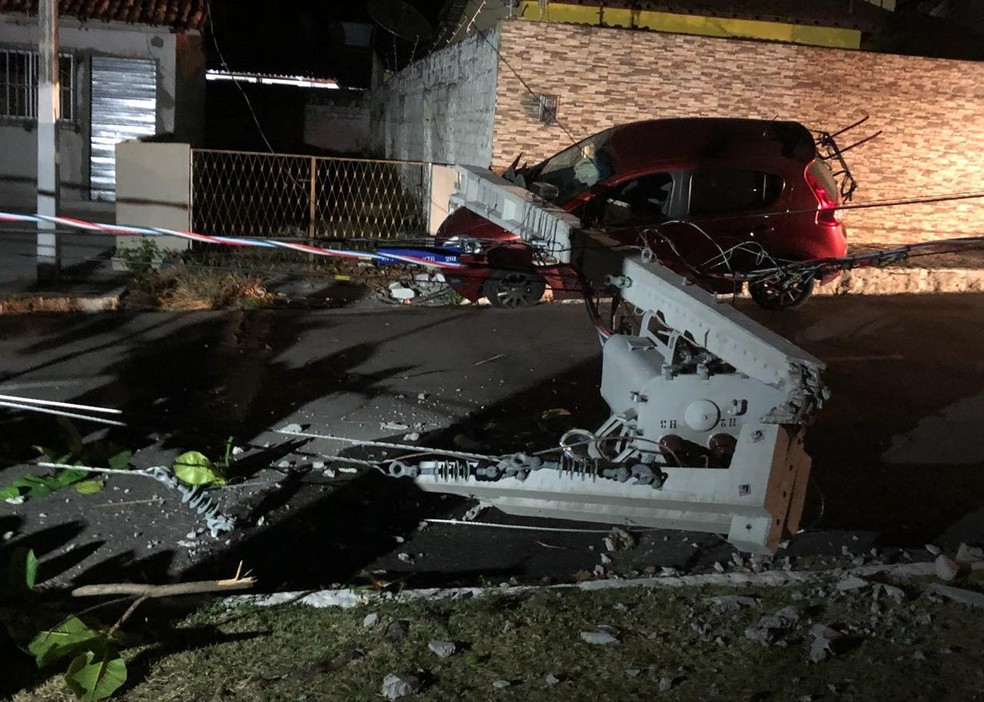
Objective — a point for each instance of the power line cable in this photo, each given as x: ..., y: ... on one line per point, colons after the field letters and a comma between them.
x: 225, y: 66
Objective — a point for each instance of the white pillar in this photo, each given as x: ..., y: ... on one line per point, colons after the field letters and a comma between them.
x: 49, y: 112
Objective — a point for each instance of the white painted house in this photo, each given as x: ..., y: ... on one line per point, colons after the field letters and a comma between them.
x: 129, y: 69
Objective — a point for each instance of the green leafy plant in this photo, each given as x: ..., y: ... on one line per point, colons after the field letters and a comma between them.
x: 22, y: 570
x: 35, y: 486
x: 141, y: 259
x: 92, y: 677
x: 95, y: 669
x: 69, y: 448
x: 195, y: 468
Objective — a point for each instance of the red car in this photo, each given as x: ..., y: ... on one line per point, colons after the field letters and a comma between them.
x: 708, y: 196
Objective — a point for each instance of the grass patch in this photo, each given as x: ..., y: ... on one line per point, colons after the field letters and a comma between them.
x: 920, y: 649
x: 186, y: 288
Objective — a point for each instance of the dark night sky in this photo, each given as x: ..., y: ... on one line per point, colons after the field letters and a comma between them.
x: 304, y: 37
x: 298, y: 36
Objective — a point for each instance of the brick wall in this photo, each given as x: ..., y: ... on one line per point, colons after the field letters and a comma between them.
x: 341, y: 127
x: 440, y: 108
x: 931, y: 110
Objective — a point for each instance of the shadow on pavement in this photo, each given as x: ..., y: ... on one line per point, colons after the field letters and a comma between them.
x: 213, y: 376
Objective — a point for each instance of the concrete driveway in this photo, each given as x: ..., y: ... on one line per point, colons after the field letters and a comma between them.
x: 898, y: 453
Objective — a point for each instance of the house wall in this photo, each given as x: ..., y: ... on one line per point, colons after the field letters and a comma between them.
x: 440, y: 108
x: 338, y: 123
x: 180, y: 71
x: 154, y: 190
x: 930, y: 111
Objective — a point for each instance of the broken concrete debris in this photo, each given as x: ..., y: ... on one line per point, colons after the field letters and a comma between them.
x: 772, y: 627
x: 893, y: 592
x: 971, y: 598
x: 826, y: 642
x: 550, y: 679
x: 851, y: 582
x: 501, y: 684
x: 599, y: 637
x: 442, y: 649
x: 370, y: 620
x: 472, y: 512
x: 396, y: 686
x: 969, y: 554
x: 732, y: 603
x: 946, y: 568
x: 618, y: 540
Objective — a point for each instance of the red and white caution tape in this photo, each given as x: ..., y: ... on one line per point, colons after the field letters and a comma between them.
x: 125, y: 230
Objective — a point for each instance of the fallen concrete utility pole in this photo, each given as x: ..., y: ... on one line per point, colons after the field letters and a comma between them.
x: 708, y: 407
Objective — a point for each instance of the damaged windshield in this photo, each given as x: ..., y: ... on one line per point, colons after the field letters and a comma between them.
x: 576, y: 168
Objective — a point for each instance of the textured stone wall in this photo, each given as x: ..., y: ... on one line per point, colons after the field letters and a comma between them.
x: 440, y: 108
x: 931, y: 111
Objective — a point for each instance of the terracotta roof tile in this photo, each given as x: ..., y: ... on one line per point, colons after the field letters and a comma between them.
x: 174, y: 14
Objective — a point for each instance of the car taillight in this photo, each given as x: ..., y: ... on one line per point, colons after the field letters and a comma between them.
x: 828, y: 214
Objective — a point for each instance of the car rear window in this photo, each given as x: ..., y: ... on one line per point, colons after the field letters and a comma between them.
x: 714, y: 191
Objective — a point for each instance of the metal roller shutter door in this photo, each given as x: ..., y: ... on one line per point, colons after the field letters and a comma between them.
x: 124, y: 106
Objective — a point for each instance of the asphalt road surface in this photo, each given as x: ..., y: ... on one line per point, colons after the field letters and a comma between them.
x: 898, y: 454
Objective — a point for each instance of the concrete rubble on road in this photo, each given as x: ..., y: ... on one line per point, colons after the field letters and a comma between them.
x: 946, y: 568
x: 346, y: 598
x: 971, y: 598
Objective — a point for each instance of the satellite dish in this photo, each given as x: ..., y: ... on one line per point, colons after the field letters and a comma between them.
x: 400, y: 19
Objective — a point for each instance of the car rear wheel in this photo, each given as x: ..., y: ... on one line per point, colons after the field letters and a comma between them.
x: 781, y: 292
x: 514, y: 289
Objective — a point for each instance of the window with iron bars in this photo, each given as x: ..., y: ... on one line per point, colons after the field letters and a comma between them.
x: 19, y: 85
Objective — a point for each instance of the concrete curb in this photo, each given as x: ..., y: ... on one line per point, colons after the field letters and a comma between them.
x: 348, y: 598
x: 868, y: 281
x: 20, y: 303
